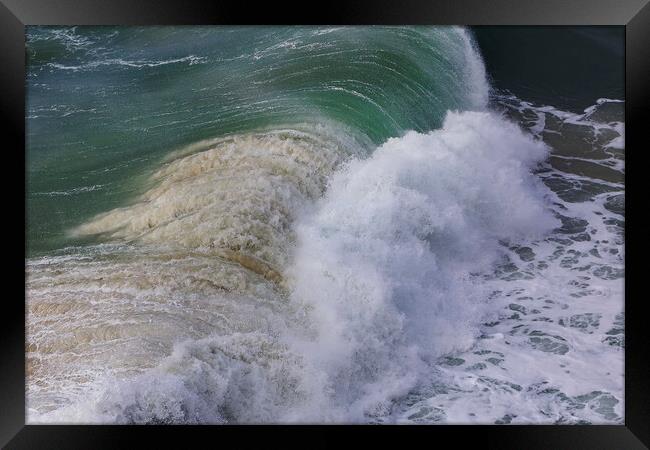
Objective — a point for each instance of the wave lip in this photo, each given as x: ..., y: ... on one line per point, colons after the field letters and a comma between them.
x: 236, y: 199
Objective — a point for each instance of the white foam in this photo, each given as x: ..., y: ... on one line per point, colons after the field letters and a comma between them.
x: 191, y: 60
x: 381, y: 283
x: 386, y: 260
x: 476, y: 78
x: 382, y: 275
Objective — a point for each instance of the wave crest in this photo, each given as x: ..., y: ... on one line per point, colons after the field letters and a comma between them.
x: 236, y: 199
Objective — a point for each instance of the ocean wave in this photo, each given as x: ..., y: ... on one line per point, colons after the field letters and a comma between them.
x: 236, y: 199
x: 366, y: 243
x: 378, y: 280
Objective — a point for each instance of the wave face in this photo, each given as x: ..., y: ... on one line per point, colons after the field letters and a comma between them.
x: 364, y: 297
x: 295, y: 225
x: 237, y: 199
x: 152, y: 90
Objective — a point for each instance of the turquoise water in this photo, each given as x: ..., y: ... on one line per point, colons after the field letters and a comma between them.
x: 323, y: 225
x: 105, y: 105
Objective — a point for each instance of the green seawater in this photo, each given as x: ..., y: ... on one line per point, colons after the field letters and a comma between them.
x: 275, y: 246
x: 105, y: 105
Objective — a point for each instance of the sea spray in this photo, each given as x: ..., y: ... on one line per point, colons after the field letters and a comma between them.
x: 382, y: 281
x: 388, y: 261
x: 224, y: 247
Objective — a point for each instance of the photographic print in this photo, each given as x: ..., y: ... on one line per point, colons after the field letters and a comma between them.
x: 325, y: 225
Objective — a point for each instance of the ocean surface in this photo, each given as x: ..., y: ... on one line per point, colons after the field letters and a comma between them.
x: 325, y: 225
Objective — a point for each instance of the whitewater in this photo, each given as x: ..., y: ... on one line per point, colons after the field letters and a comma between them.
x: 307, y: 271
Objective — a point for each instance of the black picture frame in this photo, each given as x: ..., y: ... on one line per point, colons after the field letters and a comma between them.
x: 634, y: 15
